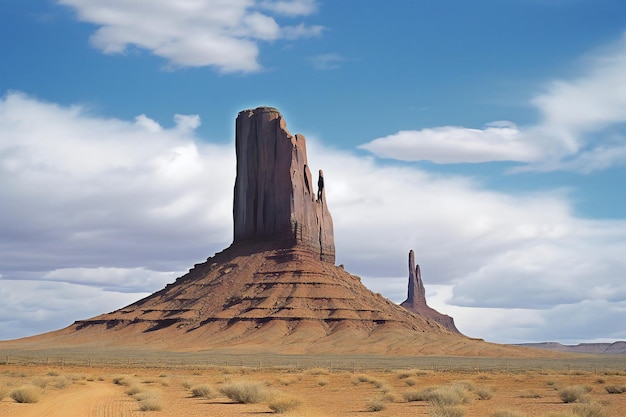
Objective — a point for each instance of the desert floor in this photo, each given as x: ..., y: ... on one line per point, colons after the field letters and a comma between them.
x: 74, y: 391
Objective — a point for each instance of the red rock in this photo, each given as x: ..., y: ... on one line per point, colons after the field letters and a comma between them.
x: 274, y: 196
x: 416, y: 298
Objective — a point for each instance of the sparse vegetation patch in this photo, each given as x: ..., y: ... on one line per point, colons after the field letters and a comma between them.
x: 245, y: 392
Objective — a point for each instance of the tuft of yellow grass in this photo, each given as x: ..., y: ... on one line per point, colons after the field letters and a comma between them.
x: 281, y: 403
x: 376, y: 404
x: 26, y: 394
x: 202, y: 390
x: 245, y: 392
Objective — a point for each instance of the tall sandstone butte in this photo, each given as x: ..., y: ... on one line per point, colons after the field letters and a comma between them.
x: 416, y: 298
x: 274, y: 193
x: 276, y: 288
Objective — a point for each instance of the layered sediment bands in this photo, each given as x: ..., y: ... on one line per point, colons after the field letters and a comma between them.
x: 416, y: 298
x: 275, y: 199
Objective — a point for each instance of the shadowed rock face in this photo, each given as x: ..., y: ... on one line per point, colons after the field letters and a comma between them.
x: 274, y: 196
x: 416, y: 298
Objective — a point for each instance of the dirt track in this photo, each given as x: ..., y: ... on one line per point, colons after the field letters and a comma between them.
x: 93, y: 399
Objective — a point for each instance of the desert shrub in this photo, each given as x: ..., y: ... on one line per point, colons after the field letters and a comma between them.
x: 507, y: 413
x: 376, y: 404
x: 202, y: 390
x: 244, y: 392
x: 404, y: 374
x: 280, y: 403
x: 600, y: 380
x: 421, y: 395
x: 186, y: 384
x: 26, y: 394
x: 322, y: 382
x: 134, y: 389
x: 286, y: 381
x: 4, y: 391
x: 448, y: 395
x: 529, y: 394
x: 615, y: 389
x: 317, y: 371
x: 484, y: 393
x: 445, y: 396
x: 53, y: 373
x: 588, y: 410
x: 60, y: 382
x: 362, y: 378
x: 150, y: 404
x: 410, y: 382
x: 439, y: 410
x: 573, y: 394
x: 40, y: 382
x: 122, y: 380
x: 468, y: 385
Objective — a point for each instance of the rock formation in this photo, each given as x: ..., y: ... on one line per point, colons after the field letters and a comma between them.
x: 416, y: 298
x: 276, y: 288
x: 274, y: 196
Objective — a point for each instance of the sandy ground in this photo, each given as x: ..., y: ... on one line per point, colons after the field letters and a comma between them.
x: 91, y: 392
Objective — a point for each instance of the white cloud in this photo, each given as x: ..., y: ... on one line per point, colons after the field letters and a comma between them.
x: 581, y: 126
x: 219, y: 33
x: 106, y: 209
x: 327, y: 61
x: 290, y: 7
x: 498, y: 141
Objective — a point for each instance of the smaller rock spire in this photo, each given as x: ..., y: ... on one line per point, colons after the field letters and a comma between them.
x: 416, y: 298
x: 417, y: 292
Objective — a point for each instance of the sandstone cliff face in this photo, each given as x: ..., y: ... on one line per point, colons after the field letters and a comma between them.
x: 274, y: 197
x: 416, y: 298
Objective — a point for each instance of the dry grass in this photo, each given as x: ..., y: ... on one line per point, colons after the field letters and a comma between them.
x: 245, y: 392
x: 281, y: 403
x: 376, y: 404
x: 439, y: 410
x: 573, y: 394
x: 202, y: 390
x: 589, y: 410
x: 26, y: 394
x: 507, y: 413
x: 322, y: 382
x: 484, y: 393
x: 4, y: 391
x: 615, y: 389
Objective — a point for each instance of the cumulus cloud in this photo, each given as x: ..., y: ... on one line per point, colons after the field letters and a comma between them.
x: 108, y: 210
x: 220, y: 33
x: 580, y: 128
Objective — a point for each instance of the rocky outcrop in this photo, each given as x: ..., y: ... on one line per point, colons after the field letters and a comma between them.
x: 274, y: 197
x: 416, y: 298
x: 276, y: 289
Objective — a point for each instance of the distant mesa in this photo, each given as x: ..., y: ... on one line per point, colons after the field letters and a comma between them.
x: 276, y: 288
x: 416, y: 298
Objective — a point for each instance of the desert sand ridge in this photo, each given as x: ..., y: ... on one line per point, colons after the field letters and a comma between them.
x: 276, y: 288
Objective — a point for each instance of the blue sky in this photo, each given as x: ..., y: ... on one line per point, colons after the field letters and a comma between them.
x: 488, y: 136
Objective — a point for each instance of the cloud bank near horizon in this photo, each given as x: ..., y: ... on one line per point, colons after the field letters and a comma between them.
x: 580, y: 126
x: 104, y: 211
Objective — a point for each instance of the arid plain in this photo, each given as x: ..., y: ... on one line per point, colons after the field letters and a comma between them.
x: 454, y: 387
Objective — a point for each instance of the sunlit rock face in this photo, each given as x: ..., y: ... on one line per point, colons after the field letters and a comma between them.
x: 275, y: 199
